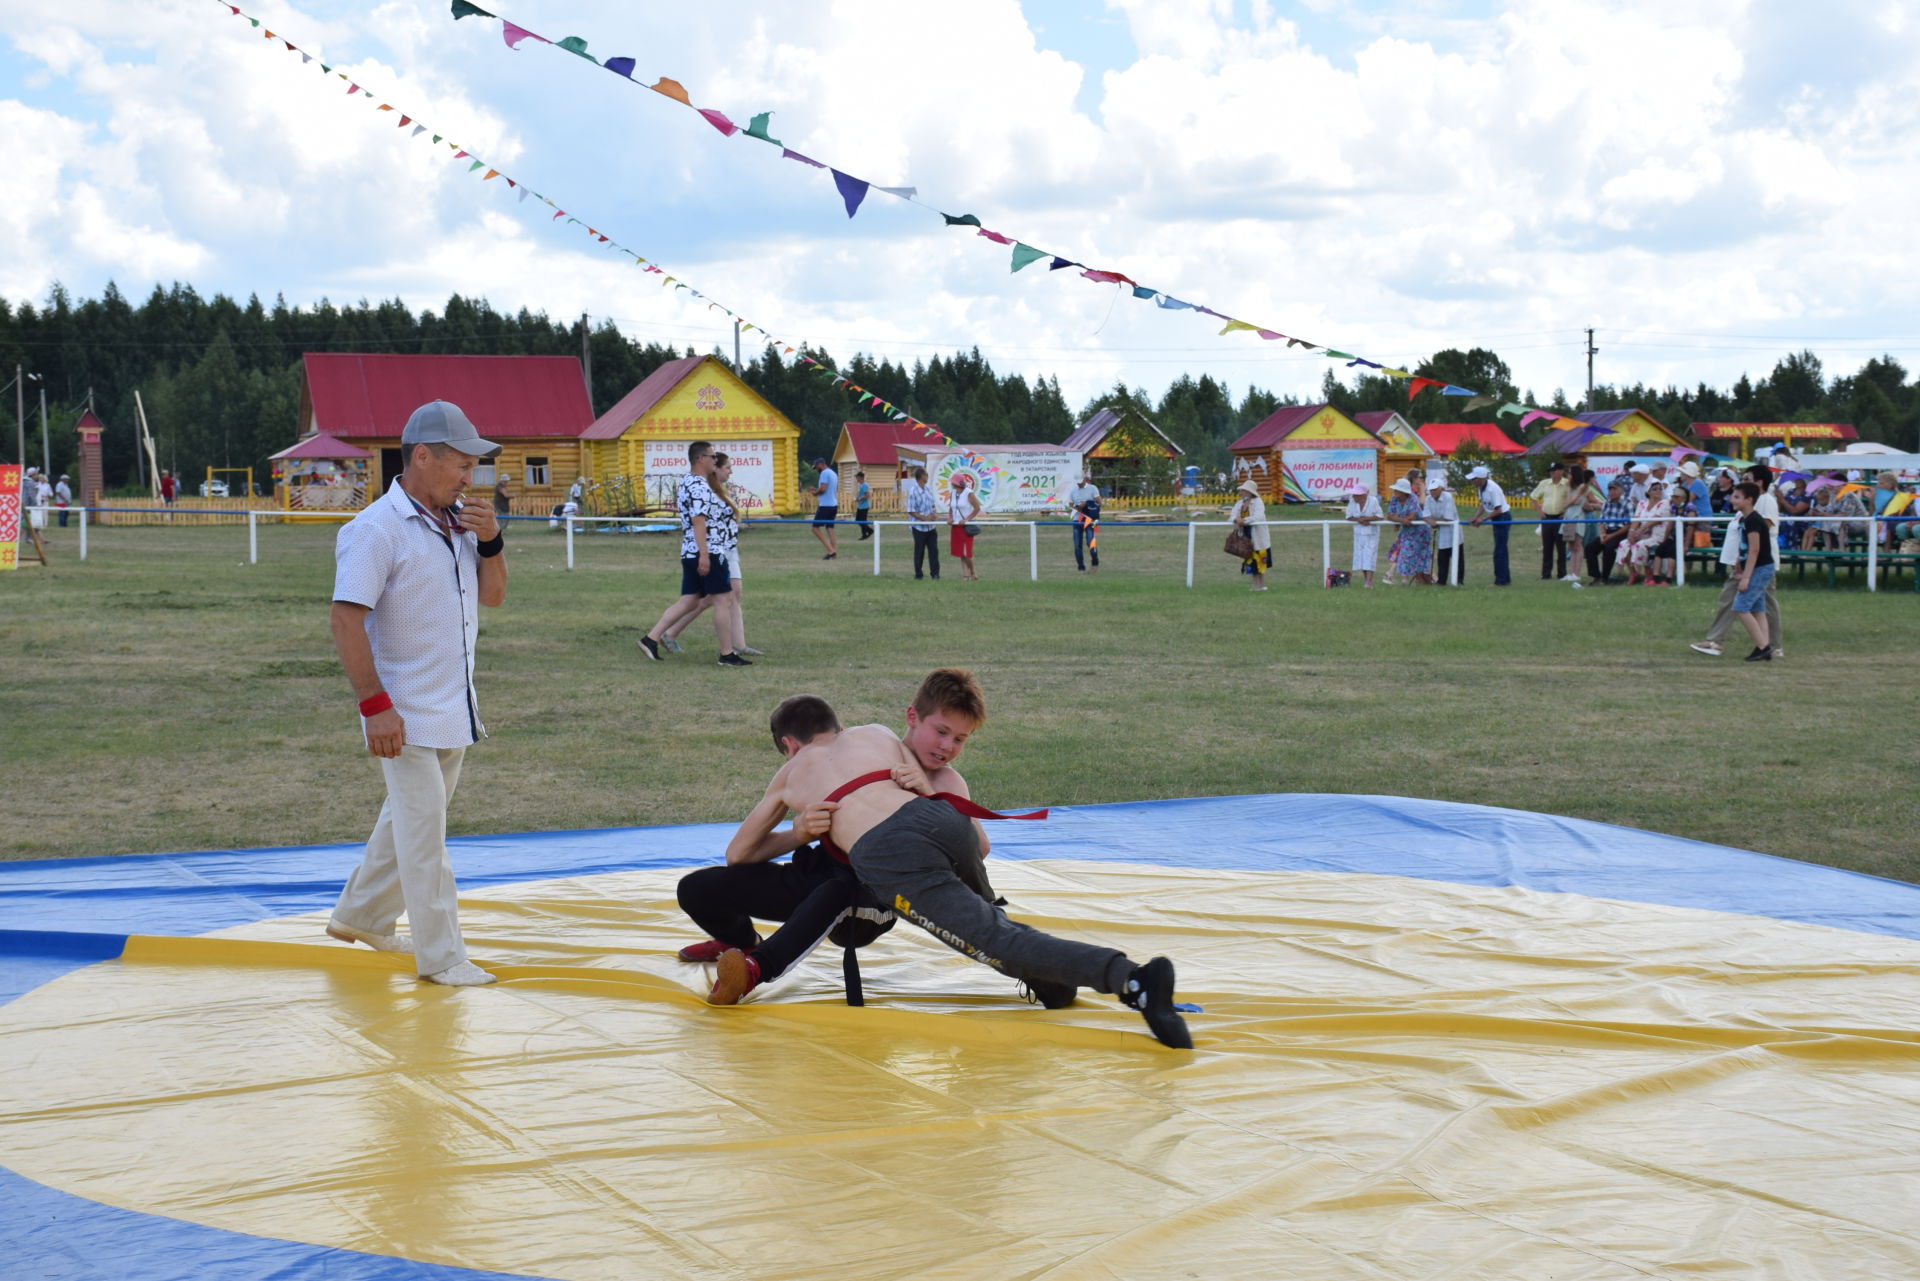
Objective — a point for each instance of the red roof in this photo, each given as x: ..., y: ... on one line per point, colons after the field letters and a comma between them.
x: 875, y: 444
x: 1446, y: 438
x: 322, y: 446
x: 1282, y: 423
x: 371, y: 397
x: 652, y: 390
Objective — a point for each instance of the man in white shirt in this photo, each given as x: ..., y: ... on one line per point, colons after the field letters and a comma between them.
x: 1494, y: 511
x: 921, y: 506
x: 405, y: 630
x: 63, y: 497
x: 1086, y: 523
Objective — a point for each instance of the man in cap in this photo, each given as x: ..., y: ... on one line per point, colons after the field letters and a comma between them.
x: 1616, y: 517
x: 828, y: 509
x: 1640, y: 475
x: 405, y: 630
x: 63, y: 496
x: 1494, y: 511
x: 1550, y: 500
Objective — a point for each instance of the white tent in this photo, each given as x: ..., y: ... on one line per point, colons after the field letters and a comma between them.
x: 1859, y: 462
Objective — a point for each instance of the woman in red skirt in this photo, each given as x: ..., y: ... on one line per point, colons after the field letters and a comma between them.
x: 963, y: 507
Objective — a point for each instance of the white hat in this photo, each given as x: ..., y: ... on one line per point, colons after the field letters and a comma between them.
x: 1356, y: 487
x: 1437, y: 482
x: 1248, y: 487
x: 1641, y: 469
x: 1689, y: 468
x: 1401, y: 487
x: 1856, y: 475
x: 1481, y: 472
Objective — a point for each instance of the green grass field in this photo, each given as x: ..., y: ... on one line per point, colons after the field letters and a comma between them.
x: 165, y: 695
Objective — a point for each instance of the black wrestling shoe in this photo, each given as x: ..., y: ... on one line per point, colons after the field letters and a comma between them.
x: 650, y: 647
x: 1759, y: 655
x: 731, y: 659
x: 1149, y: 990
x: 1055, y: 996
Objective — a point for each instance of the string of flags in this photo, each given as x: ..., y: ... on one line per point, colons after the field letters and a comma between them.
x: 865, y: 397
x: 853, y: 192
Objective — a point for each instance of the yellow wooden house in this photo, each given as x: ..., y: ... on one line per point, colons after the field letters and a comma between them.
x: 636, y: 452
x: 1316, y: 447
x: 1623, y: 431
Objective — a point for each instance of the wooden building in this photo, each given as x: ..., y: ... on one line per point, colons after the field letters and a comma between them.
x: 875, y: 448
x: 1402, y: 449
x: 1122, y: 443
x: 1785, y: 433
x: 1321, y: 448
x: 534, y: 407
x: 640, y: 445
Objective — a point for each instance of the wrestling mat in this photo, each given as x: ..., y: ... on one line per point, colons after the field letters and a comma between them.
x: 1437, y: 1041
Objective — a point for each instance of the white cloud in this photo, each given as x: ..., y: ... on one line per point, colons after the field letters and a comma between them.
x: 1639, y: 164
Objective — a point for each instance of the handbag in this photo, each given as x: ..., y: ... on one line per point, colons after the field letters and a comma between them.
x: 1238, y: 545
x: 971, y: 531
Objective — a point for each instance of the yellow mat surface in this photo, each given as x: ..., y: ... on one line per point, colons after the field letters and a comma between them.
x: 1393, y: 1079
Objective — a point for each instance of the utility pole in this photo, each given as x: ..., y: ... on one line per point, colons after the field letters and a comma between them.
x: 46, y: 454
x: 20, y: 410
x: 586, y: 359
x: 1591, y: 349
x: 736, y: 344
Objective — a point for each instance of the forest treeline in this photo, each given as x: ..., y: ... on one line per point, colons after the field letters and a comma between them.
x: 220, y: 381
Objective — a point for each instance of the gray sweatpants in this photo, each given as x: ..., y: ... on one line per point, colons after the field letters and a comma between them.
x: 921, y: 862
x: 1723, y: 612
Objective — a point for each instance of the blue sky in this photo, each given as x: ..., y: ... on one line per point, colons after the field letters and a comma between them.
x: 1708, y: 184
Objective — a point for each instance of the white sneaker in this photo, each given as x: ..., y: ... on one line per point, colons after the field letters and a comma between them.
x: 1577, y: 584
x: 378, y: 942
x: 465, y: 974
x: 1705, y: 647
x: 1570, y: 578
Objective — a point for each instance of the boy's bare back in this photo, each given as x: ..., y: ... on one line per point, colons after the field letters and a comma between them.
x: 818, y: 768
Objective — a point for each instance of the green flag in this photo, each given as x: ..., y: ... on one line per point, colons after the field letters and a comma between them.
x: 463, y: 9
x: 758, y: 129
x: 578, y: 44
x: 1024, y: 254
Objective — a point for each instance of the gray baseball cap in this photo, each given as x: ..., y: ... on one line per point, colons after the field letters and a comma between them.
x: 441, y: 422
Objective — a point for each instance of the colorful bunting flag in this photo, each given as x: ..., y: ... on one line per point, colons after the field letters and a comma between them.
x: 1420, y: 383
x: 718, y: 120
x: 758, y: 126
x: 805, y: 160
x: 1511, y: 407
x: 576, y: 45
x: 1024, y: 255
x: 620, y: 66
x: 513, y: 35
x: 464, y: 9
x: 852, y: 190
x: 672, y: 89
x: 994, y: 236
x: 963, y: 220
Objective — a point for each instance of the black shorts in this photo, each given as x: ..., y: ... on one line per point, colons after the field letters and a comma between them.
x: 717, y: 582
x: 826, y: 515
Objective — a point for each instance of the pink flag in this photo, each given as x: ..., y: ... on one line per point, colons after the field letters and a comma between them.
x: 1533, y: 414
x: 1112, y: 278
x: 994, y: 236
x: 514, y: 35
x: 718, y: 119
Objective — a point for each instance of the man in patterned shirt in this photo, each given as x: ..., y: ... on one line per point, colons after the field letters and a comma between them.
x: 706, y: 548
x: 1616, y: 515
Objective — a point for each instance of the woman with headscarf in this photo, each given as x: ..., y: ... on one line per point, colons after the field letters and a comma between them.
x: 1250, y: 515
x: 1648, y: 531
x: 1413, y: 553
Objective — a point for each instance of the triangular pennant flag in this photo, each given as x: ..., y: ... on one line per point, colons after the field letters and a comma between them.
x: 962, y: 220
x: 1232, y: 325
x: 352, y: 89
x: 1530, y: 415
x: 1339, y: 355
x: 905, y: 193
x: 1058, y: 263
x: 1141, y: 291
x: 305, y: 58
x: 852, y: 190
x: 437, y: 137
x: 324, y: 69
x: 491, y: 173
x: 805, y: 160
x: 994, y: 236
x: 1173, y: 304
x: 1419, y: 384
x: 1300, y: 342
x: 513, y: 34
x: 757, y: 128
x: 1477, y: 402
x: 269, y: 35
x: 418, y: 130
x: 464, y: 9
x: 384, y: 107
x: 577, y: 45
x: 523, y: 193
x: 458, y: 154
x: 718, y: 119
x: 404, y: 122
x: 1451, y: 390
x: 1359, y: 361
x: 1511, y: 407
x: 290, y: 47
x: 1396, y: 373
x: 1268, y: 334
x: 672, y: 89
x: 1111, y: 278
x: 478, y: 164
x: 1024, y: 255
x: 620, y: 66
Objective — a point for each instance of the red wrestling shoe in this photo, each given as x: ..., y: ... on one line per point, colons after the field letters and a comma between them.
x: 739, y: 975
x: 708, y: 952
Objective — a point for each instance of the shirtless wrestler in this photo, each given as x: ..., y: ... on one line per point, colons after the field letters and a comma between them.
x: 920, y: 857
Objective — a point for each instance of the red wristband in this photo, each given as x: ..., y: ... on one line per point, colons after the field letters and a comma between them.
x: 378, y: 703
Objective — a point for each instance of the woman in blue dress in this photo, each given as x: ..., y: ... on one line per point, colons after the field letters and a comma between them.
x: 1413, y: 552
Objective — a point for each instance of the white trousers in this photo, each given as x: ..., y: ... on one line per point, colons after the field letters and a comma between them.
x: 406, y: 868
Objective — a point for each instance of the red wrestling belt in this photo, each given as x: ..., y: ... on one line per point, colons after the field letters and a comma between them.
x: 964, y: 805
